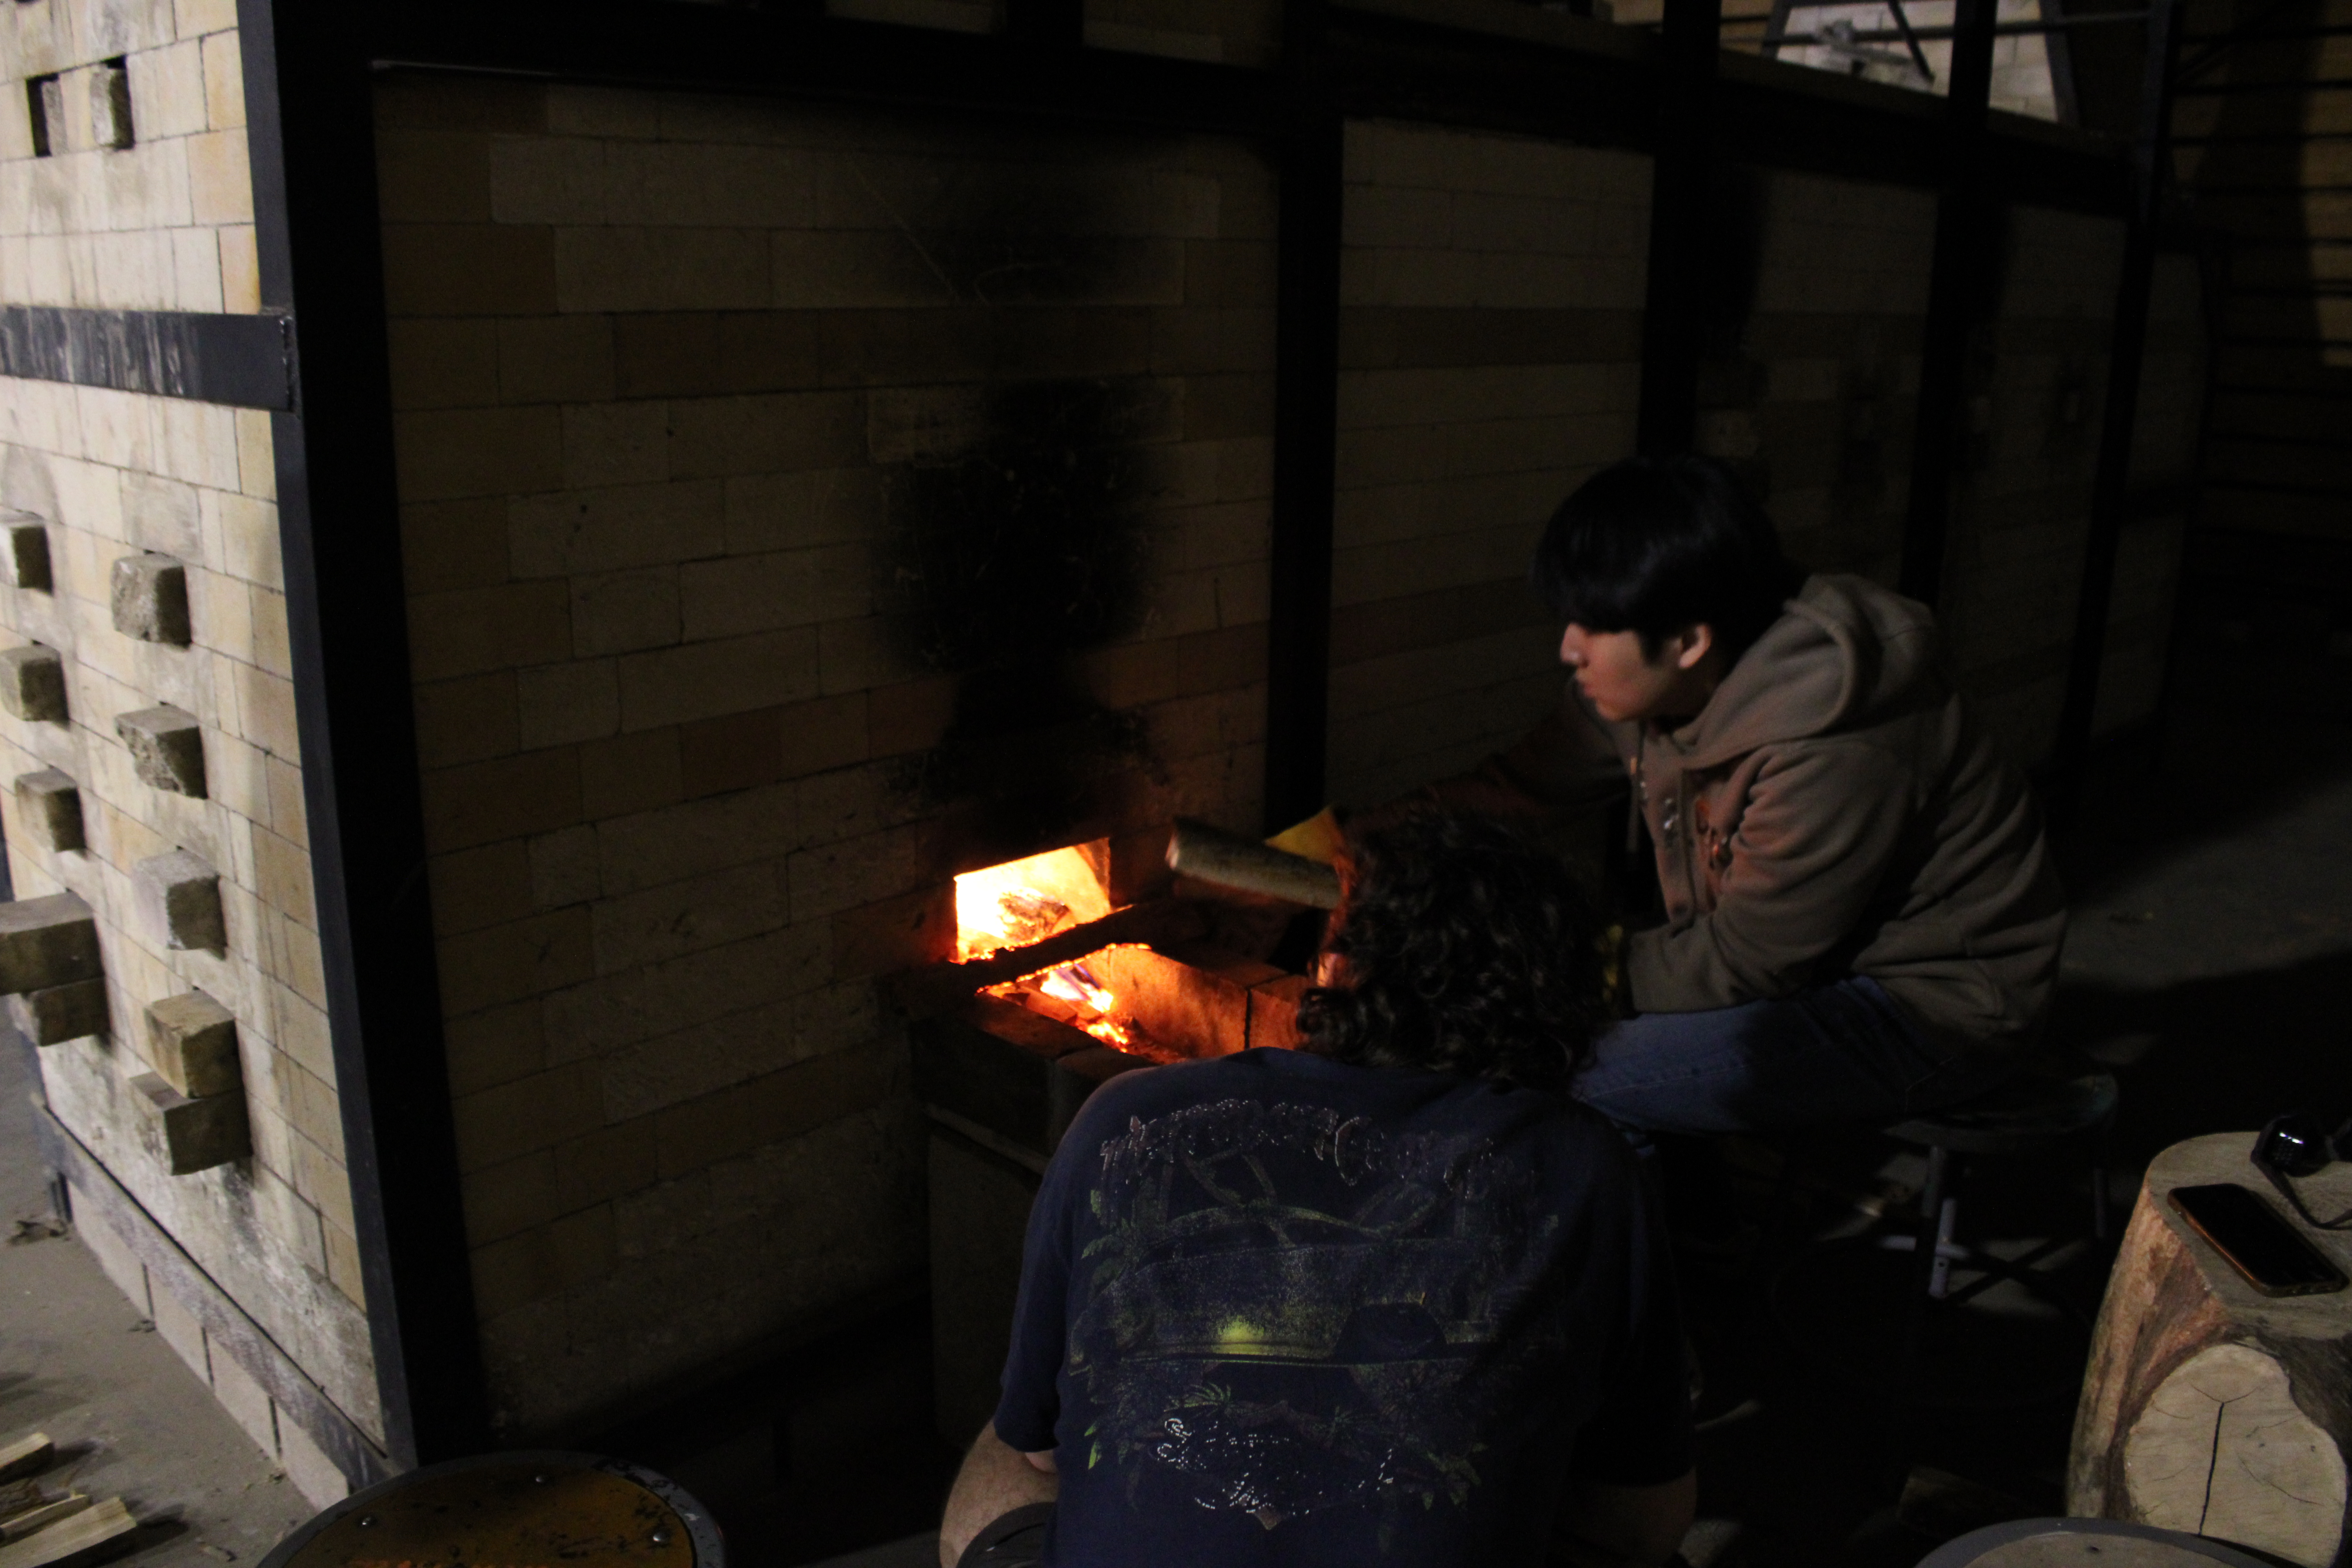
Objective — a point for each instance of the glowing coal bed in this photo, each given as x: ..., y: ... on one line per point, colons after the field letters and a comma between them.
x: 1025, y: 902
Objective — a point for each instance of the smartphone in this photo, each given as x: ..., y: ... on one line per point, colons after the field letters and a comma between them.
x: 2257, y: 1240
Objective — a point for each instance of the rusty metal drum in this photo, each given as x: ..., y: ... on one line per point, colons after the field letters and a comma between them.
x: 513, y: 1510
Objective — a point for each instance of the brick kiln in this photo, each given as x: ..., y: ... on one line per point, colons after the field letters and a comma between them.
x: 1055, y: 990
x: 497, y: 691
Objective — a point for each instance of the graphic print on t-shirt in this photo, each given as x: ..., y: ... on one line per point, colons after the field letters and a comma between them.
x: 1289, y: 1311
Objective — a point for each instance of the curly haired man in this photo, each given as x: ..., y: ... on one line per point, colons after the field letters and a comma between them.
x: 1394, y: 1296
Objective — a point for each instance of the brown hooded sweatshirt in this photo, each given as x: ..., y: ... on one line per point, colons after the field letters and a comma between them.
x: 1834, y: 810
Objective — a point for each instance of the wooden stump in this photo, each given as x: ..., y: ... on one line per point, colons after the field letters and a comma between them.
x: 2207, y: 1407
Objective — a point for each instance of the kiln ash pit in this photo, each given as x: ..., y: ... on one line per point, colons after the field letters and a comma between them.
x: 1053, y: 991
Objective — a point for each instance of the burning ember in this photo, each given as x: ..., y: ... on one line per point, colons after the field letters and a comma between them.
x: 1023, y: 901
x: 1072, y: 994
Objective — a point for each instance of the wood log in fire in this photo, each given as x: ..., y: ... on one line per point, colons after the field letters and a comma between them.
x: 1225, y: 859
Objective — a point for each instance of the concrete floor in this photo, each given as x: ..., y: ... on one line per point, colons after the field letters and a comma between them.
x: 78, y: 1362
x: 2210, y: 950
x: 2212, y: 944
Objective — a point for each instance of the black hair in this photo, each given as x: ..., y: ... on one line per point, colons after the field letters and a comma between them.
x: 1655, y: 544
x: 1462, y: 945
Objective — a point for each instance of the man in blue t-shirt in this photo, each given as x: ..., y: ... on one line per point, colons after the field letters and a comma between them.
x: 1393, y: 1298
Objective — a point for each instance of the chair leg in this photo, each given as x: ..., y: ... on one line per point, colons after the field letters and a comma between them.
x: 1926, y: 1264
x: 1948, y: 1225
x: 1934, y: 1197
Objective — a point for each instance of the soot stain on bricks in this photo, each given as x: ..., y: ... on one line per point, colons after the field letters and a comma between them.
x: 1017, y: 548
x: 1014, y: 509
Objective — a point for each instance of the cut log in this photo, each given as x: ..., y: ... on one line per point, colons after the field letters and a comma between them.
x: 85, y: 1529
x: 1228, y: 860
x: 2208, y: 1407
x: 25, y: 1455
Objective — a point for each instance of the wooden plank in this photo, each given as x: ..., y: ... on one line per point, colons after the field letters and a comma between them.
x: 25, y: 1455
x: 89, y: 1527
x: 18, y: 1526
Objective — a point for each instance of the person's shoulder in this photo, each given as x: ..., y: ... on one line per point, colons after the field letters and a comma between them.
x: 1151, y: 1090
x: 1562, y: 1128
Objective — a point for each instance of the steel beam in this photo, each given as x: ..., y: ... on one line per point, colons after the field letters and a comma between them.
x: 1035, y: 70
x: 1673, y: 310
x: 2127, y: 359
x: 1957, y: 290
x: 1305, y: 431
x: 242, y: 362
x: 310, y: 130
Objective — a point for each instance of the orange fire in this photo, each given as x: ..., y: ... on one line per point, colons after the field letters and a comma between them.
x: 1086, y: 1004
x: 1023, y: 901
x: 1072, y: 982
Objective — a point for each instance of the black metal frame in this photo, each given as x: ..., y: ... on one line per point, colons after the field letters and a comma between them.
x: 310, y: 129
x: 1955, y: 295
x: 2126, y: 358
x: 1680, y: 173
x: 308, y: 69
x: 1306, y: 433
x: 243, y: 361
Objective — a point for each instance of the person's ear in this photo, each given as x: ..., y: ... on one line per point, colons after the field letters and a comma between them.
x: 1693, y: 644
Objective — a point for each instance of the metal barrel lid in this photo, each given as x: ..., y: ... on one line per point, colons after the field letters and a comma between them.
x: 2083, y: 1543
x: 527, y: 1509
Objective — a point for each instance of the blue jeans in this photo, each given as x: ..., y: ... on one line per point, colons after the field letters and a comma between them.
x: 1838, y: 1053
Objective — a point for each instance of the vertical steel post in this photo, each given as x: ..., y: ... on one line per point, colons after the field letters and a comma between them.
x: 1684, y: 164
x: 1957, y: 281
x: 310, y: 130
x: 2126, y: 358
x: 1306, y: 429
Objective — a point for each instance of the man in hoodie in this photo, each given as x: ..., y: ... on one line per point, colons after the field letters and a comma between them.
x: 1861, y: 919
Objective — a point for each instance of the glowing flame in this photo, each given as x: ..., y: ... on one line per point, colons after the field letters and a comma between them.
x: 1073, y: 983
x: 1023, y: 901
x: 1083, y: 1003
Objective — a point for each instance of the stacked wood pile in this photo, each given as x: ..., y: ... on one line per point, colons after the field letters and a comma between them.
x: 40, y: 1524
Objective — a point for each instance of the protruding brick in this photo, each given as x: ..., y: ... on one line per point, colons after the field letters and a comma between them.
x: 179, y: 901
x: 50, y: 805
x: 33, y: 683
x: 24, y: 552
x: 192, y: 1136
x: 192, y: 1040
x: 46, y: 943
x: 167, y: 748
x: 59, y: 1013
x: 150, y: 599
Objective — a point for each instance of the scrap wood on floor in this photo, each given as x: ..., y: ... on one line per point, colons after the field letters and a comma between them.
x: 38, y: 1526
